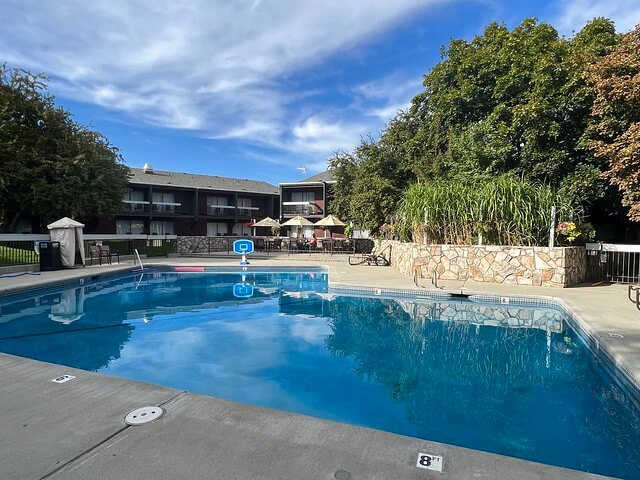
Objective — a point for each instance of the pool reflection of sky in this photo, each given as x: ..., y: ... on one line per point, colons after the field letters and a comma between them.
x: 451, y: 372
x: 260, y: 357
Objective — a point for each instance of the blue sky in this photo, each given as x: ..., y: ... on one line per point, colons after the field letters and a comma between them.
x: 252, y: 88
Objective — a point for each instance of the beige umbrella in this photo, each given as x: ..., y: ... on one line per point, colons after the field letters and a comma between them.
x: 329, y: 221
x: 267, y: 222
x: 297, y: 222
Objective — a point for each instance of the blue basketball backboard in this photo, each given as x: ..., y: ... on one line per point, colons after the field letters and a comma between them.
x: 243, y: 247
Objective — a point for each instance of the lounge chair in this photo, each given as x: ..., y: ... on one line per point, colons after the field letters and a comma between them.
x: 96, y: 252
x: 372, y: 258
x: 109, y: 254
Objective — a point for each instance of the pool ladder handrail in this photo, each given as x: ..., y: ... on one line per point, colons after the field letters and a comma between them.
x: 139, y: 259
x: 434, y: 278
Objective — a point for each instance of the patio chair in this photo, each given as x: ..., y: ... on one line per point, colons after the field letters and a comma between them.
x: 96, y: 252
x: 109, y: 254
x: 372, y: 258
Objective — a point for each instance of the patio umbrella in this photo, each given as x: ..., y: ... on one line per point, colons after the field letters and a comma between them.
x: 298, y: 222
x: 330, y: 221
x: 267, y: 222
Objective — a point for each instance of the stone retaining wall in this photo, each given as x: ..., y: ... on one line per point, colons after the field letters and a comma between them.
x: 537, y: 266
x: 197, y: 244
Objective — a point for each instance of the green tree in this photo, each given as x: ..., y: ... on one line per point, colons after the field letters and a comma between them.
x: 616, y: 133
x: 370, y: 181
x: 50, y: 165
x: 508, y: 101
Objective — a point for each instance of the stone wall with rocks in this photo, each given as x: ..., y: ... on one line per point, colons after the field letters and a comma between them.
x: 188, y: 245
x: 200, y: 245
x: 537, y: 266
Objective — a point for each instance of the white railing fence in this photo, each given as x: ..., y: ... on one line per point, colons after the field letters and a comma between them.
x: 616, y: 263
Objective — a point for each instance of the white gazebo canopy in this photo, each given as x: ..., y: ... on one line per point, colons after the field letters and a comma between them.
x: 69, y: 233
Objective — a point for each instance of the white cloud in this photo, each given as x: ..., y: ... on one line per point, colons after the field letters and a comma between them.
x: 216, y: 67
x: 385, y: 97
x: 576, y: 13
x: 322, y: 135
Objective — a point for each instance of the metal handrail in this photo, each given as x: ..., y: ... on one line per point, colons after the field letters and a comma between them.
x: 139, y: 259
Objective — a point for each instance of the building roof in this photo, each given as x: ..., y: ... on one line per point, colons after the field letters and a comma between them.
x: 320, y: 177
x: 191, y: 180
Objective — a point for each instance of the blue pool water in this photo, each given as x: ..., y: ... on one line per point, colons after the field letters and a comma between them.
x: 516, y: 381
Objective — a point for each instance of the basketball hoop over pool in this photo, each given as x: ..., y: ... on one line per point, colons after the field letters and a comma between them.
x: 243, y: 247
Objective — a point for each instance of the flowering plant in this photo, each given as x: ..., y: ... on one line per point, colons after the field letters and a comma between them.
x: 249, y: 224
x: 569, y: 230
x: 573, y: 233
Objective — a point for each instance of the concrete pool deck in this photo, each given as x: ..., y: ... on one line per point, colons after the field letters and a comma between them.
x: 77, y: 430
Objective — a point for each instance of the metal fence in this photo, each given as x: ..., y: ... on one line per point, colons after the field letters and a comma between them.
x: 614, y: 263
x: 17, y: 249
x: 20, y: 252
x: 149, y: 245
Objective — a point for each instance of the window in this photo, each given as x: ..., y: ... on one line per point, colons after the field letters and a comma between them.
x: 241, y: 229
x: 244, y: 207
x: 162, y: 197
x: 129, y: 227
x: 217, y: 206
x: 217, y: 201
x: 161, y: 228
x: 134, y: 202
x: 164, y: 202
x: 217, y: 228
x: 134, y: 196
x: 303, y: 197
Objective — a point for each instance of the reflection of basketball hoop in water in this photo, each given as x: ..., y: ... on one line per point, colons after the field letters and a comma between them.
x: 243, y: 289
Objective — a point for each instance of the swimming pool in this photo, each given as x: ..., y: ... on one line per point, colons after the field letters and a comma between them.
x: 514, y: 380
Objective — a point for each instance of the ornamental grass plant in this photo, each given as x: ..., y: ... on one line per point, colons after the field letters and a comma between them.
x: 505, y: 210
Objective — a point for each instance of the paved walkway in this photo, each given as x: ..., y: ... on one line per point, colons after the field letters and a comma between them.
x: 76, y: 429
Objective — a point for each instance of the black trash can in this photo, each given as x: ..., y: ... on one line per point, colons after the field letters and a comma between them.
x: 50, y: 256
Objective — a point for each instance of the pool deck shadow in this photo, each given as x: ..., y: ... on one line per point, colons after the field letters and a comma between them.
x: 76, y: 430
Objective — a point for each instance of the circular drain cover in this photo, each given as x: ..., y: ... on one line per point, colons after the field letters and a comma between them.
x: 143, y: 415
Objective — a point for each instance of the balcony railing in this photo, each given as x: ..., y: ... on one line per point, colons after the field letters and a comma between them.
x: 134, y: 206
x: 248, y: 212
x: 300, y: 208
x: 229, y: 210
x: 166, y: 208
x: 220, y: 210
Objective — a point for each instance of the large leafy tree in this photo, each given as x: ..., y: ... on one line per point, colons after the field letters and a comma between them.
x: 507, y: 101
x: 616, y: 134
x: 50, y: 165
